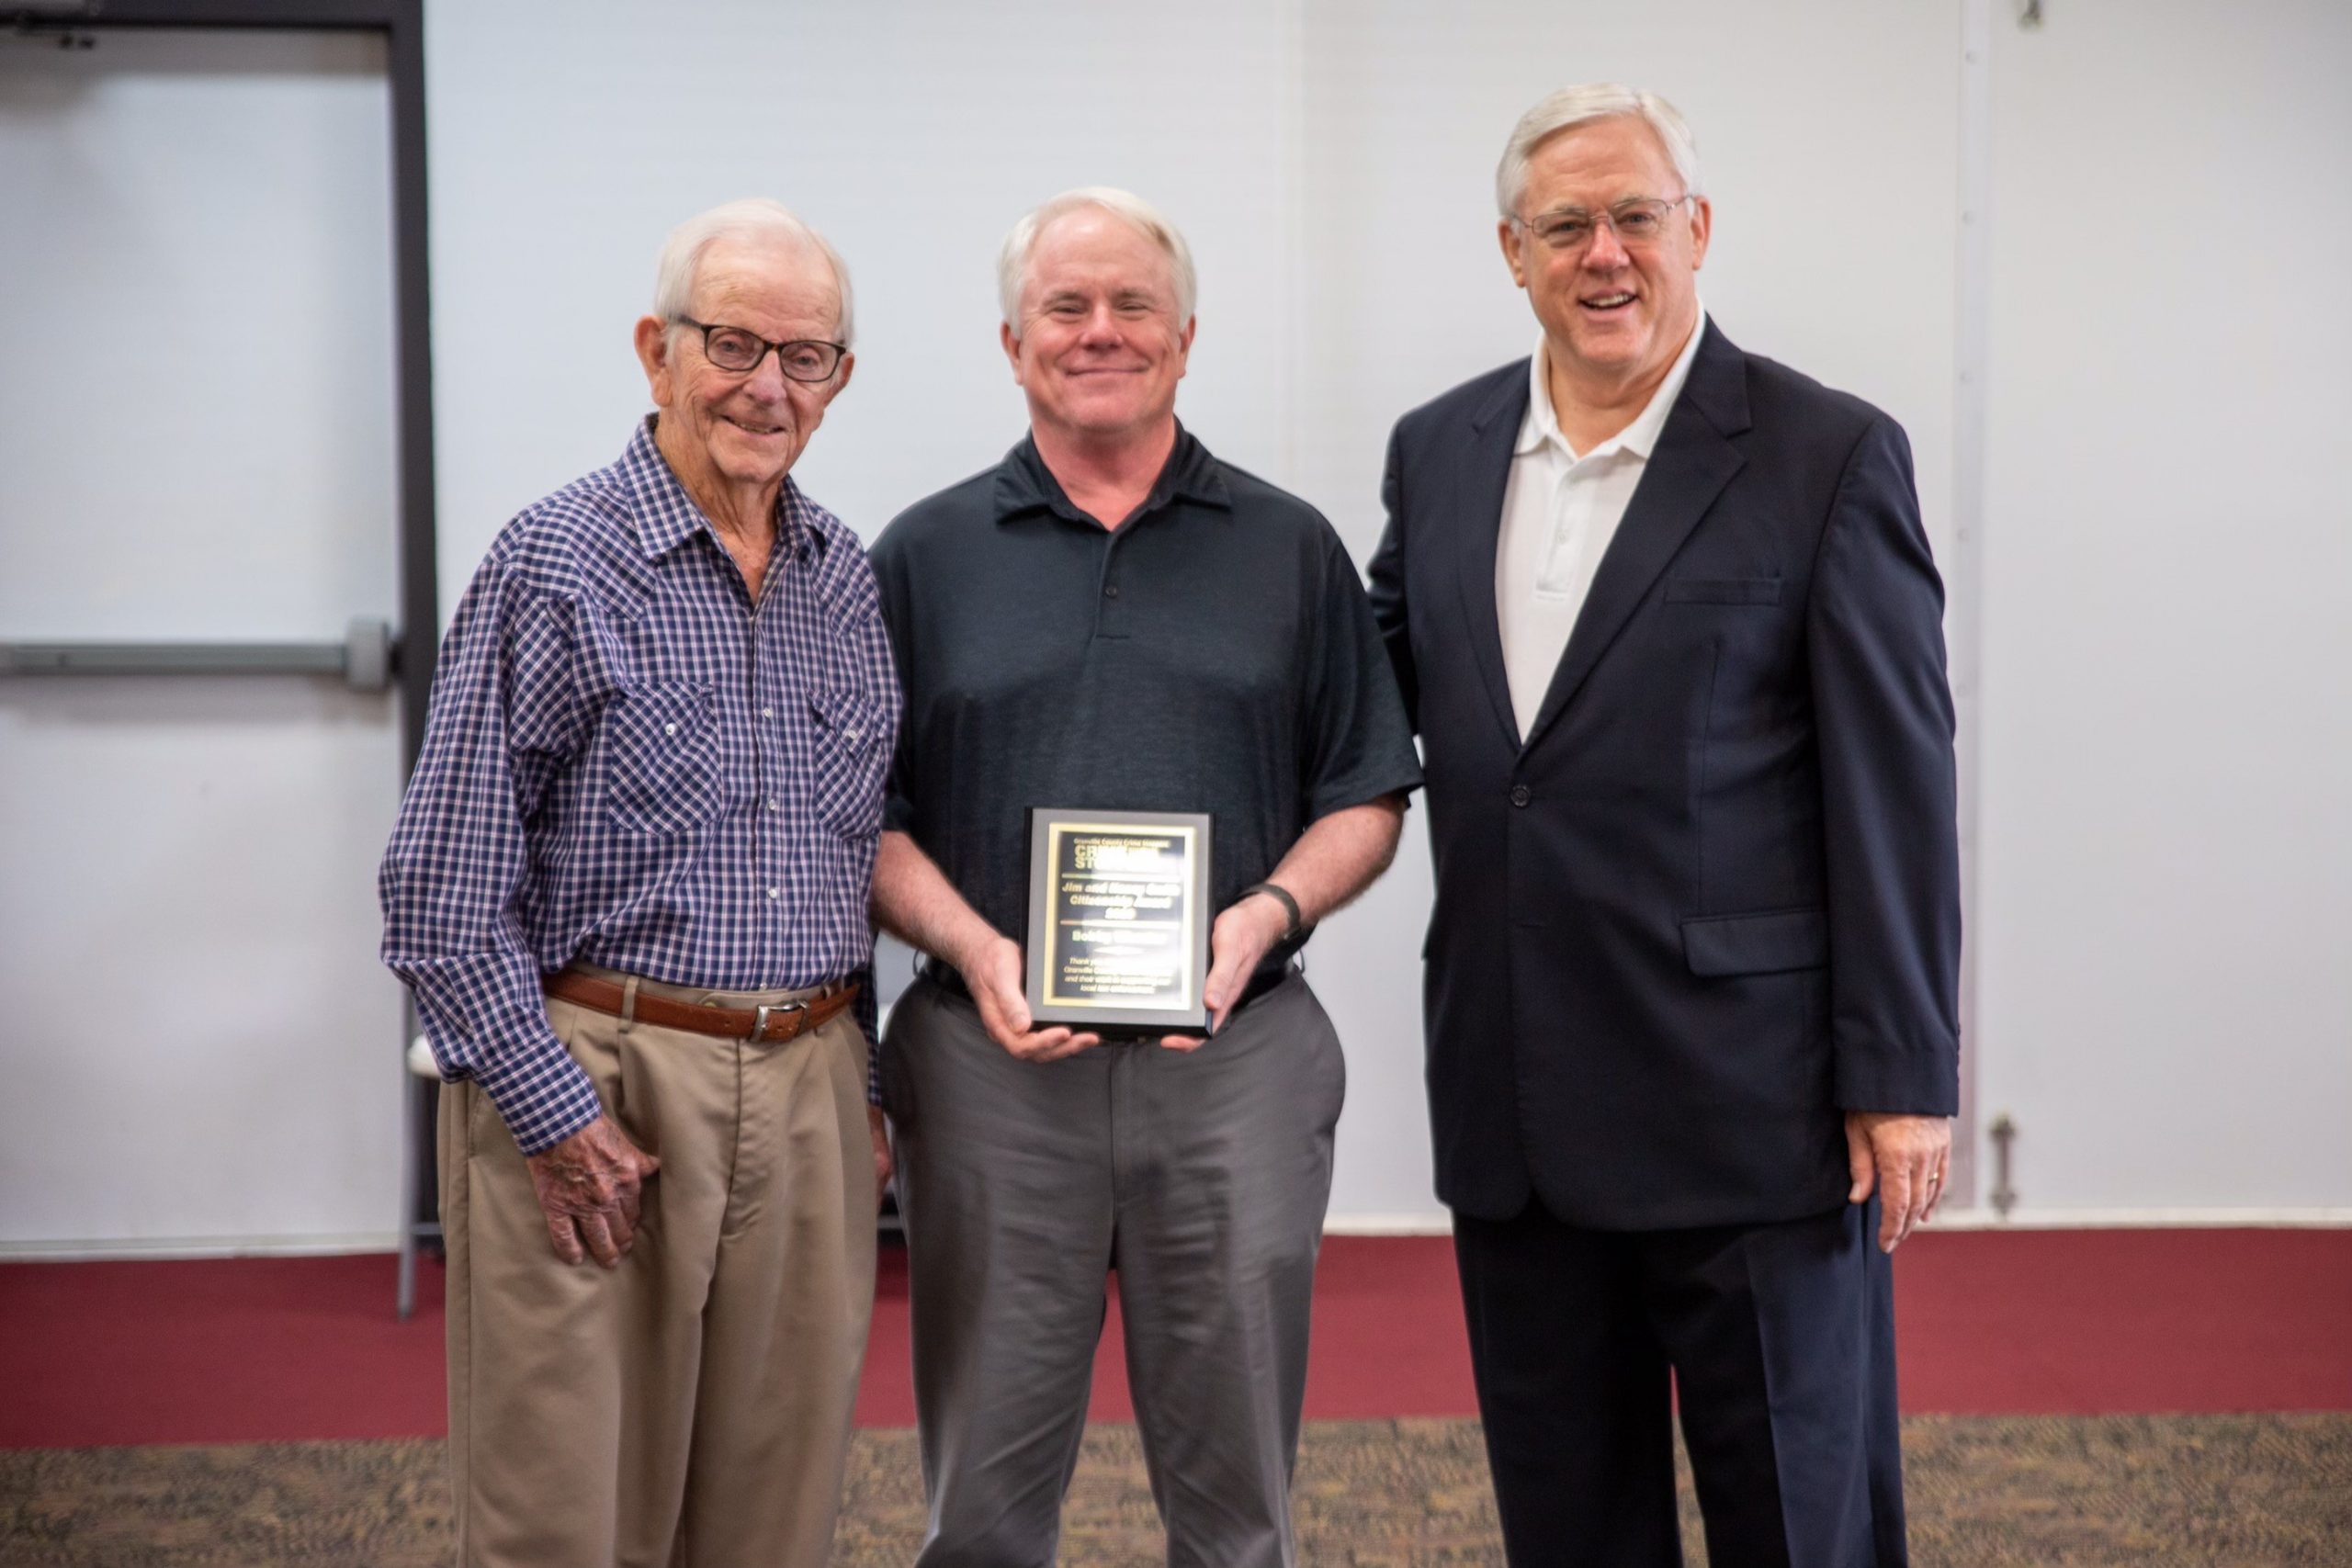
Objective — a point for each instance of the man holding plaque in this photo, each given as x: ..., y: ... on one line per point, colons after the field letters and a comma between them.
x: 1151, y: 737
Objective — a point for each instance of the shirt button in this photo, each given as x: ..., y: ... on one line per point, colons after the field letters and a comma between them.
x: 767, y: 713
x: 776, y: 892
x: 1111, y: 592
x: 850, y: 735
x: 669, y: 730
x: 772, y: 806
x: 1519, y: 795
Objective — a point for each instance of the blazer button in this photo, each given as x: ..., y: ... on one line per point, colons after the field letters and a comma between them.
x: 1520, y: 795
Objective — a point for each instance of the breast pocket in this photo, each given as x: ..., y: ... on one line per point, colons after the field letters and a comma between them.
x: 851, y: 755
x: 663, y: 749
x: 1722, y: 590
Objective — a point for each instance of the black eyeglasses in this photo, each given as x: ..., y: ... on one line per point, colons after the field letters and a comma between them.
x: 738, y: 352
x: 1637, y: 222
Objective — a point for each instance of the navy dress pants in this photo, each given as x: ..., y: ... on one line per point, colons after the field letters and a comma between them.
x: 1775, y: 1341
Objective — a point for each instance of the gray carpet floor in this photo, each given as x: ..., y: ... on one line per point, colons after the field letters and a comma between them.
x: 2150, y: 1492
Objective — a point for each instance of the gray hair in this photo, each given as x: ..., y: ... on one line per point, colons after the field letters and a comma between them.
x: 1012, y: 262
x: 755, y: 219
x: 1572, y: 107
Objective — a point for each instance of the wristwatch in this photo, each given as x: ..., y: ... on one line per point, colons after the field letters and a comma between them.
x: 1281, y: 896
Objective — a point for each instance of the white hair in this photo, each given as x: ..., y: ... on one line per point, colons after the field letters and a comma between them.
x: 1572, y: 107
x: 755, y: 219
x: 1012, y: 262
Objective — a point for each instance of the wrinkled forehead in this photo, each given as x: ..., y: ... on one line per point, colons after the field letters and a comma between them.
x: 737, y: 279
x: 1093, y: 250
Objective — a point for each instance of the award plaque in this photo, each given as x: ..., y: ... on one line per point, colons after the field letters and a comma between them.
x: 1118, y: 920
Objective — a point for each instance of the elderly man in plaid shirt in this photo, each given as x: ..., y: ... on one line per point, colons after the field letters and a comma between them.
x: 628, y: 889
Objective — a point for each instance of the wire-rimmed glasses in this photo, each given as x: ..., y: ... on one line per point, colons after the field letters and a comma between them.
x: 1639, y: 220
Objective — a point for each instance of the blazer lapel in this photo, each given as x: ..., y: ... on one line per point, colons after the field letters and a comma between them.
x: 1695, y: 460
x: 1494, y: 430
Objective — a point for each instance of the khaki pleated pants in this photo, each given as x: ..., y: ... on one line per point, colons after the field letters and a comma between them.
x: 691, y: 1408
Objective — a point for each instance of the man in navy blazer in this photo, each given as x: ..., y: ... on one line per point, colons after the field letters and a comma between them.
x: 1665, y: 617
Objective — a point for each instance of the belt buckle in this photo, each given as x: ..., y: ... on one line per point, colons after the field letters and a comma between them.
x: 760, y: 1020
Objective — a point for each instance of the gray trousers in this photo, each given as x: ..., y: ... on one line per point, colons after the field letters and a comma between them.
x: 1201, y: 1178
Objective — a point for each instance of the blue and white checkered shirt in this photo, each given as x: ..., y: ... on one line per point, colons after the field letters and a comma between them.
x: 629, y: 763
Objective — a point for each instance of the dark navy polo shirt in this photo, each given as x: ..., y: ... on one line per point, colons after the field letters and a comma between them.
x: 1214, y: 652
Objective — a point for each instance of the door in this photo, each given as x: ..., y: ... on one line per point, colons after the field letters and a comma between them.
x: 197, y: 443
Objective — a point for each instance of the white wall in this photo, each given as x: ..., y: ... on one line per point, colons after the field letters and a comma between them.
x: 2166, y: 876
x: 1332, y: 161
x: 1331, y: 166
x: 911, y: 134
x: 2164, y: 920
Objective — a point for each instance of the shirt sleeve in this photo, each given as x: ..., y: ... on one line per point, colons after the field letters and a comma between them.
x: 506, y: 719
x: 1387, y: 591
x: 876, y: 644
x: 890, y: 589
x: 1358, y: 744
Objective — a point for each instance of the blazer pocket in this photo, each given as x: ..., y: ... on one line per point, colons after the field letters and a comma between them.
x: 1756, y: 944
x: 1722, y: 590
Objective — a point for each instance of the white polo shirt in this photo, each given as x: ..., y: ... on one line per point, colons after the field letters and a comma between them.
x: 1559, y: 513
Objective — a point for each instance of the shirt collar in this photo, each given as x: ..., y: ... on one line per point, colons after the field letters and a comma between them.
x: 1025, y: 484
x: 666, y: 516
x: 1542, y: 424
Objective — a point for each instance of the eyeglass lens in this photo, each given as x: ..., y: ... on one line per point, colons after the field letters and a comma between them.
x: 1634, y: 223
x: 733, y: 348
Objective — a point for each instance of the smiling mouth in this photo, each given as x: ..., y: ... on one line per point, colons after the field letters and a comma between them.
x: 1606, y: 303
x: 751, y: 429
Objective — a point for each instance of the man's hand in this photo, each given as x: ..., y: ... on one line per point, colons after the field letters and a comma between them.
x: 589, y: 1187
x: 1243, y: 934
x: 915, y: 902
x: 881, y: 1131
x: 1906, y: 1159
x: 992, y: 972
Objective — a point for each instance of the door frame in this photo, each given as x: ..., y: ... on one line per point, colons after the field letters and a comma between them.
x: 400, y: 23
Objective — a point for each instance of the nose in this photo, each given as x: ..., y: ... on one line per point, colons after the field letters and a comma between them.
x: 1602, y: 253
x: 767, y: 379
x: 1101, y: 326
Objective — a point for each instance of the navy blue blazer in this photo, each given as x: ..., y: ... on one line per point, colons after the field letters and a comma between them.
x: 1711, y: 901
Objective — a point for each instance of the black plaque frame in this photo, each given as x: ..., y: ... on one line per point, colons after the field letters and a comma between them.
x: 1044, y: 822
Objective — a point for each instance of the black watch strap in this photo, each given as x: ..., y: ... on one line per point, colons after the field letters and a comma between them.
x: 1281, y: 896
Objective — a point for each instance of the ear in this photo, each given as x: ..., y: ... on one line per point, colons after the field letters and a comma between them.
x: 653, y: 354
x: 1184, y: 345
x: 1011, y: 349
x: 1513, y: 257
x: 1702, y: 224
x: 840, y: 376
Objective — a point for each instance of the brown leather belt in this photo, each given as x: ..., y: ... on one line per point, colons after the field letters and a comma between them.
x: 781, y: 1022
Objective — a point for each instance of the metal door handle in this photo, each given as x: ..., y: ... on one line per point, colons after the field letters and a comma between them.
x: 363, y: 657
